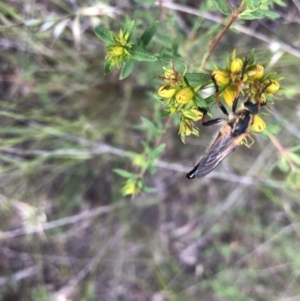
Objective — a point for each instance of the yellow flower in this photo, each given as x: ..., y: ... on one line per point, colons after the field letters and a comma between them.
x: 230, y: 94
x: 184, y: 95
x: 258, y: 124
x: 221, y: 76
x: 118, y: 50
x: 166, y: 91
x: 256, y: 72
x: 139, y: 160
x: 130, y: 188
x: 236, y: 66
x: 273, y: 87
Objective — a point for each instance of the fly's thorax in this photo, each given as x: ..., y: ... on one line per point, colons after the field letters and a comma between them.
x: 240, y: 122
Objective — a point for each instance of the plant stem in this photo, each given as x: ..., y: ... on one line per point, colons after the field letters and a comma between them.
x: 234, y: 16
x: 282, y: 150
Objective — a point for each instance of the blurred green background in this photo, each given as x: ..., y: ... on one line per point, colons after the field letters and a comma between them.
x: 67, y: 233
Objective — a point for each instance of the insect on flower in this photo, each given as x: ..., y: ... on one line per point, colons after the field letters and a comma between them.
x: 236, y: 128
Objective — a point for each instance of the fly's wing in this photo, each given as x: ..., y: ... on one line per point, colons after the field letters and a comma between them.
x: 221, y: 148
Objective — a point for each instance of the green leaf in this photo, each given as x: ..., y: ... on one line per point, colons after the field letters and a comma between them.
x: 149, y: 189
x: 139, y: 53
x: 295, y: 158
x: 104, y: 34
x: 8, y: 10
x: 127, y: 69
x: 149, y: 33
x: 271, y: 14
x: 108, y: 67
x: 252, y: 4
x: 165, y: 113
x: 223, y: 7
x: 145, y: 1
x: 123, y: 173
x: 149, y: 124
x: 247, y: 15
x: 158, y: 150
x: 189, y: 114
x: 283, y: 164
x: 280, y: 3
x: 251, y: 57
x: 201, y: 103
x: 129, y: 28
x: 131, y: 155
x: 195, y: 79
x: 293, y: 180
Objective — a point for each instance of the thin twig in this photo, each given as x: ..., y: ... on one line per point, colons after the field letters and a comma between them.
x: 90, y: 266
x: 61, y: 222
x: 282, y: 151
x: 18, y: 276
x: 104, y: 148
x: 218, y: 38
x: 246, y: 30
x: 263, y: 247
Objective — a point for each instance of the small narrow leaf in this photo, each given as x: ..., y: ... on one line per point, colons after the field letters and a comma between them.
x: 223, y: 7
x: 129, y: 28
x: 251, y: 57
x: 145, y: 1
x: 8, y: 10
x: 189, y: 114
x: 195, y: 79
x: 252, y: 4
x: 201, y: 103
x: 247, y: 15
x: 295, y: 158
x: 165, y: 113
x: 108, y: 67
x: 283, y: 164
x: 149, y: 33
x: 148, y: 123
x: 76, y: 29
x: 59, y: 27
x: 149, y: 189
x: 139, y: 53
x: 127, y: 69
x: 293, y: 180
x: 47, y: 24
x: 158, y: 150
x: 104, y: 34
x: 123, y: 173
x: 210, y: 100
x: 271, y: 14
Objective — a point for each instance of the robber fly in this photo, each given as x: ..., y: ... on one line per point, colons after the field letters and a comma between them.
x: 237, y: 127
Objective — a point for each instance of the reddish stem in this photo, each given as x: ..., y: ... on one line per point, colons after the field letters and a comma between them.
x: 234, y: 16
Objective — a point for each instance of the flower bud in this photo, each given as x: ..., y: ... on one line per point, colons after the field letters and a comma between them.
x: 229, y: 95
x: 236, y: 66
x: 118, y: 50
x: 258, y: 124
x: 184, y: 95
x: 273, y: 87
x: 184, y: 128
x: 139, y: 160
x: 130, y: 188
x: 166, y: 91
x: 170, y: 74
x: 193, y: 114
x: 256, y: 72
x: 221, y: 76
